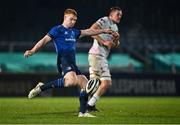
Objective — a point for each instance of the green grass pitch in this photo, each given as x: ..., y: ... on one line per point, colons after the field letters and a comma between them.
x: 113, y: 110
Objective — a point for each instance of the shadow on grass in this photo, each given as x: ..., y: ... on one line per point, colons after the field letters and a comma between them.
x: 63, y: 113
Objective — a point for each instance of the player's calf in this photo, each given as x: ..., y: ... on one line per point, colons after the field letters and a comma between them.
x: 105, y: 84
x: 82, y: 81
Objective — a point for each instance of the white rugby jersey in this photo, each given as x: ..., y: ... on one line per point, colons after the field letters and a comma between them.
x: 104, y: 23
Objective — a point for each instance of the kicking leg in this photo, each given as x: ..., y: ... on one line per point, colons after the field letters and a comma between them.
x: 70, y: 79
x: 83, y: 97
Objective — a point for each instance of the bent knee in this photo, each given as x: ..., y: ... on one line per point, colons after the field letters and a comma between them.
x: 70, y: 81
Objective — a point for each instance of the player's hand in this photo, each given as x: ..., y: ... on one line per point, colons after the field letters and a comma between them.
x: 115, y: 35
x: 107, y: 31
x: 28, y: 53
x: 109, y: 44
x: 116, y: 42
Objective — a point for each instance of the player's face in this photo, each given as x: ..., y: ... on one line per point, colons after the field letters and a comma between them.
x: 70, y: 20
x: 116, y: 16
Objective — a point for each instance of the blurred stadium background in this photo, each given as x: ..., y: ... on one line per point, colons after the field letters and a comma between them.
x: 146, y: 63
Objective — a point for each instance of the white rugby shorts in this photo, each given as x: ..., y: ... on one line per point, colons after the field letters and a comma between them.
x: 98, y: 67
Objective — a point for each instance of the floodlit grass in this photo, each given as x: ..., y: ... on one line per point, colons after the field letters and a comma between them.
x: 113, y: 110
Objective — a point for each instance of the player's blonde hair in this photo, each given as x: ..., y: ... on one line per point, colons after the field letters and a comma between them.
x: 70, y: 11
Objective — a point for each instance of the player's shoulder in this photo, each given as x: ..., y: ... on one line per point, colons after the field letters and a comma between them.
x: 103, y: 19
x: 102, y: 22
x: 54, y: 32
x: 56, y: 27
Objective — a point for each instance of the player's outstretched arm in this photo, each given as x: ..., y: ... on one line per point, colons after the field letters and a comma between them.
x: 109, y: 44
x: 92, y: 32
x: 38, y: 46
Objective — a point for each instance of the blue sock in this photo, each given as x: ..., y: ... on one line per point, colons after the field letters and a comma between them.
x: 59, y: 83
x: 83, y: 99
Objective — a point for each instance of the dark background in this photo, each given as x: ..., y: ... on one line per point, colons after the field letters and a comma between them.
x: 31, y: 19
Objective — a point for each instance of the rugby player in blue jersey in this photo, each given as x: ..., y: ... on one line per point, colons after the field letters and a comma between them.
x: 65, y: 38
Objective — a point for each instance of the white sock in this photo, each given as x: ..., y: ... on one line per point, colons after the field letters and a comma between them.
x: 93, y: 100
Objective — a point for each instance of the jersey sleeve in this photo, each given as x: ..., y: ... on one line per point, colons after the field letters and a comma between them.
x: 101, y: 22
x: 53, y: 32
x: 77, y: 33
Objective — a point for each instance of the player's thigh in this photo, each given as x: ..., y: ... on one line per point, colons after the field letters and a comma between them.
x: 70, y: 78
x: 94, y: 65
x: 105, y: 72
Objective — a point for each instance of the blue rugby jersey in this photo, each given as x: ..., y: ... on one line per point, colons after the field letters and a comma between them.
x: 65, y: 41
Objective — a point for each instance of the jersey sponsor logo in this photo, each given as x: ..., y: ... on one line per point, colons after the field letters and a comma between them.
x: 70, y: 39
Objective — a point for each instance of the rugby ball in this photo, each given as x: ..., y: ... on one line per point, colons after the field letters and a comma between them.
x: 92, y: 86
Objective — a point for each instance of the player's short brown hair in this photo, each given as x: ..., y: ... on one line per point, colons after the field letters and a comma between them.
x: 112, y: 9
x: 70, y: 11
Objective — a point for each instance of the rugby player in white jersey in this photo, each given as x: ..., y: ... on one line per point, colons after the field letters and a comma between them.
x: 98, y: 53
